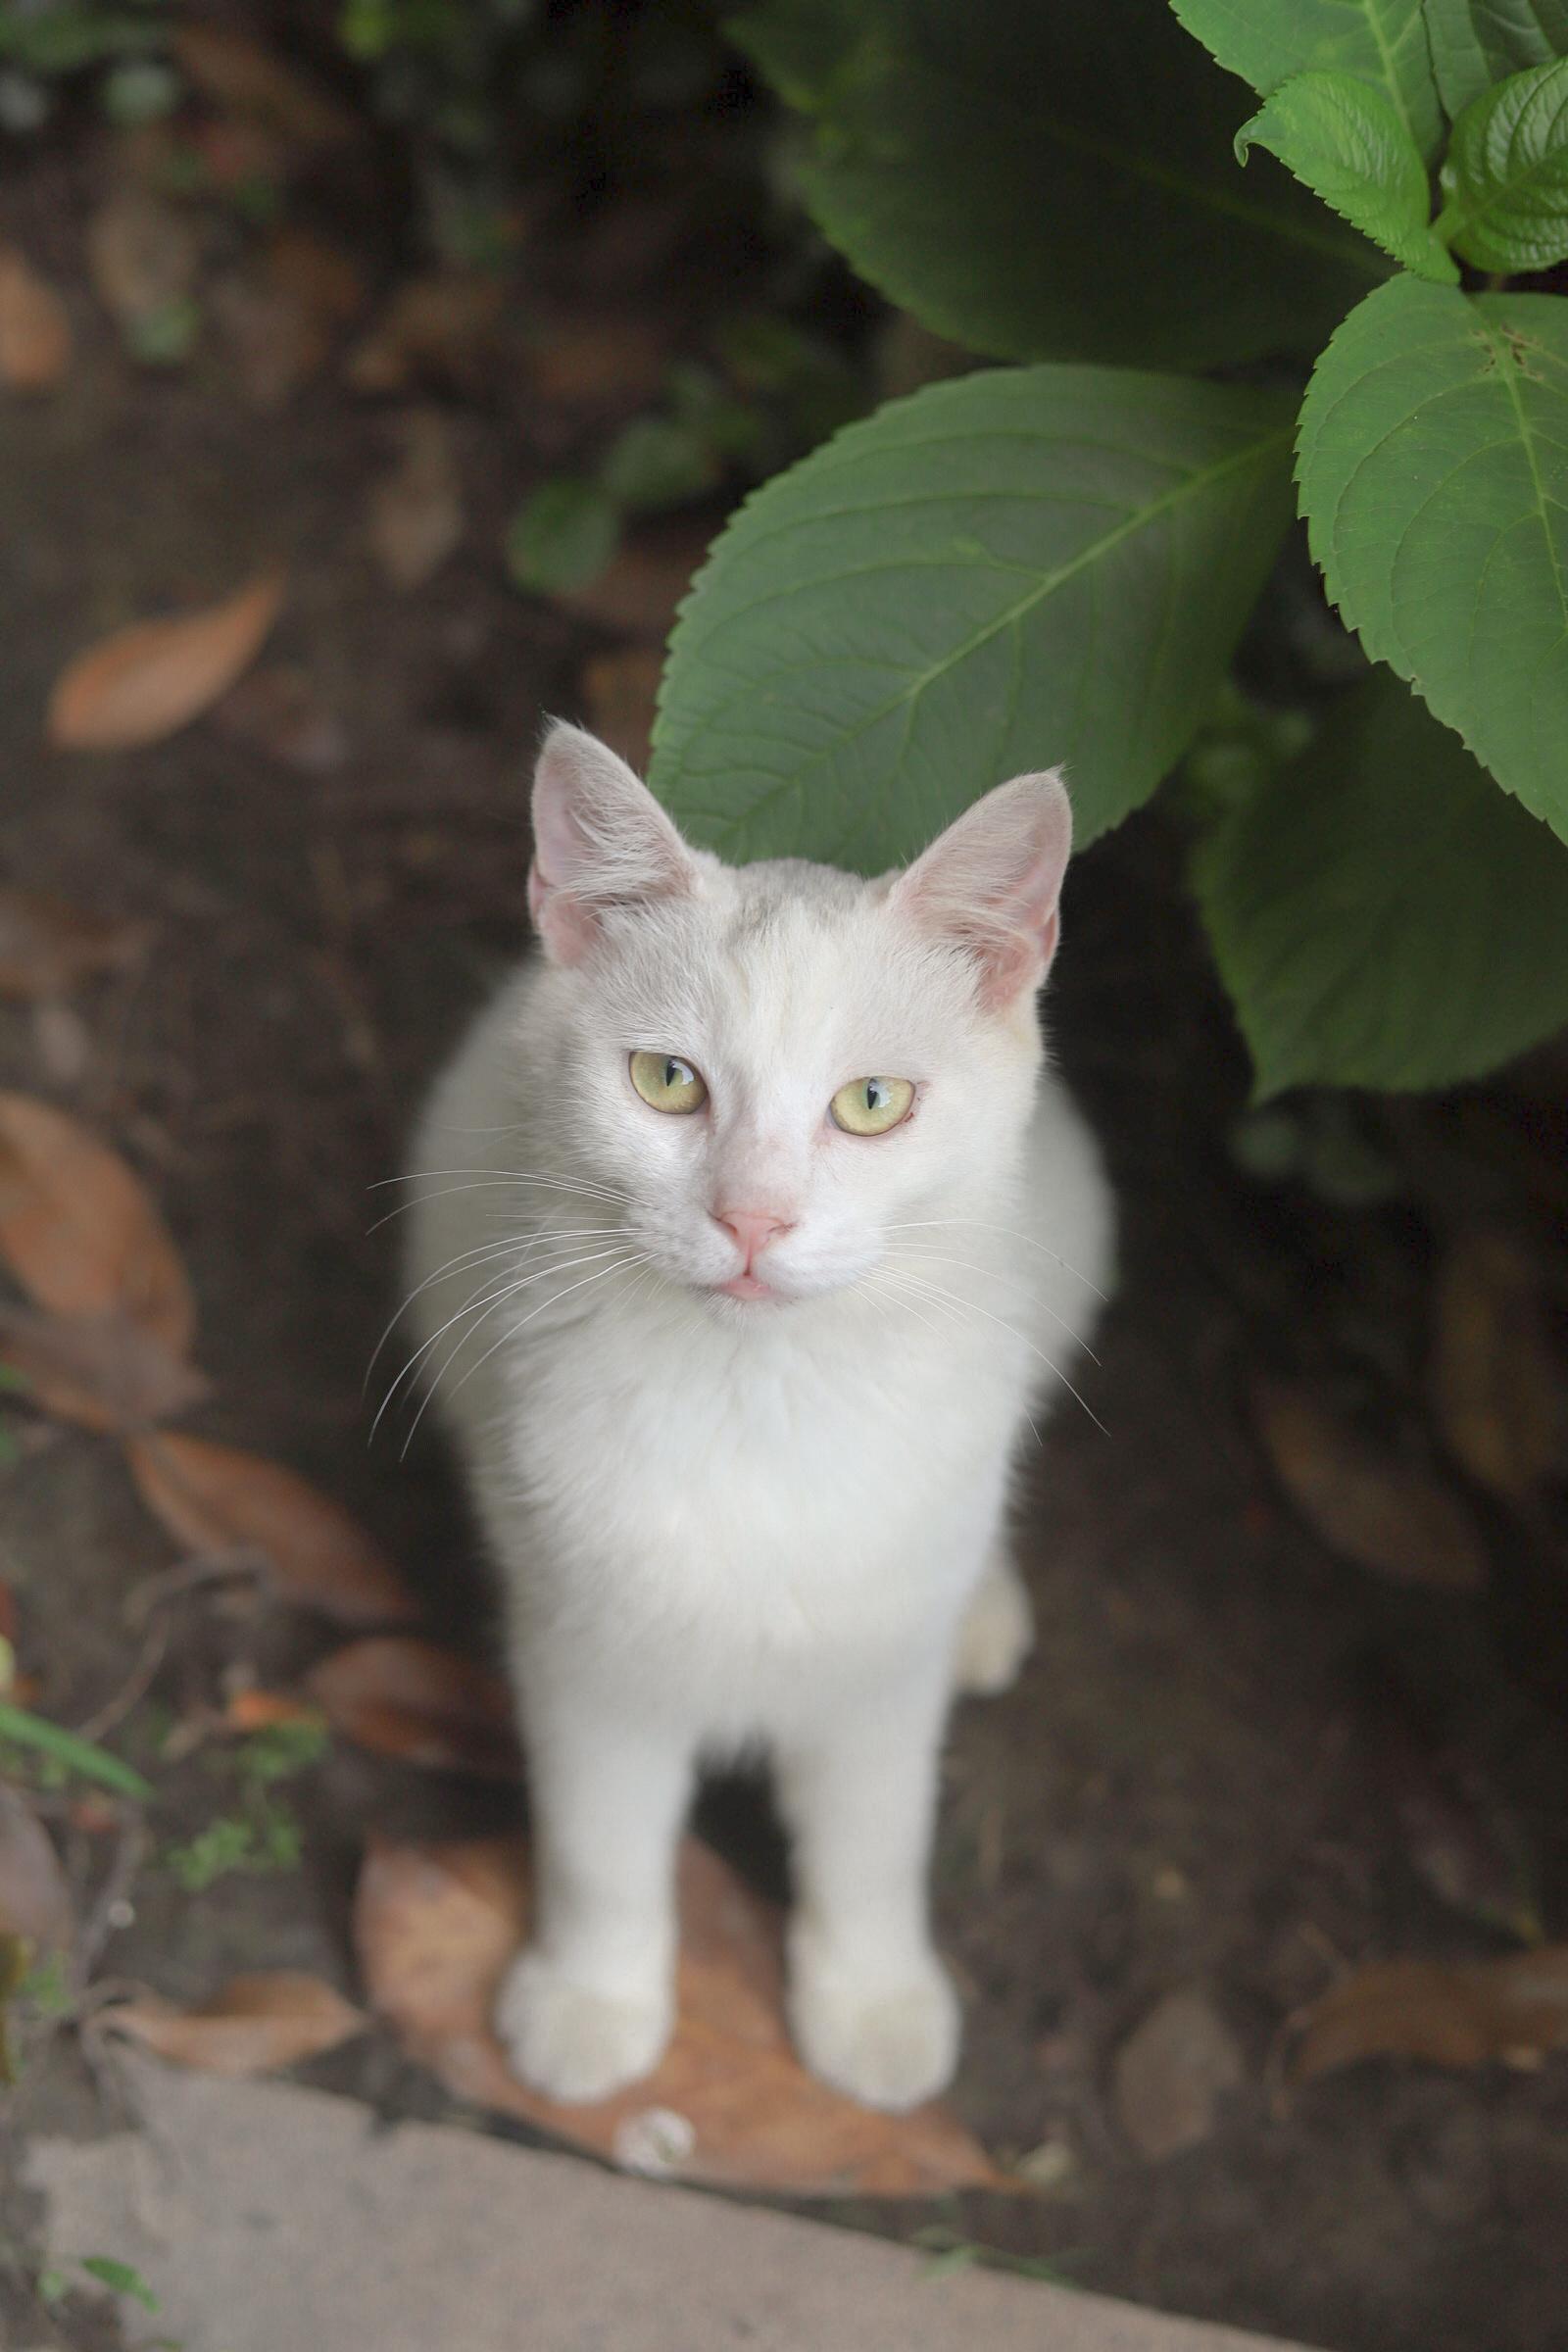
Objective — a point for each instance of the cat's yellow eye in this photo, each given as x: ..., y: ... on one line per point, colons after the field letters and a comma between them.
x: 666, y: 1083
x: 871, y: 1106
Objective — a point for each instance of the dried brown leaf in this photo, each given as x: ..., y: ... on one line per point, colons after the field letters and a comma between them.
x: 1498, y: 1385
x: 619, y: 691
x: 416, y: 512
x: 729, y: 2104
x: 611, y: 362
x: 34, y: 330
x: 142, y: 254
x: 48, y: 945
x: 79, y: 1231
x: 441, y: 328
x: 103, y: 1372
x: 35, y: 1900
x: 1172, y: 2072
x: 1458, y: 2013
x: 412, y: 1699
x: 215, y: 1498
x: 145, y: 682
x: 1385, y: 1513
x: 323, y: 278
x: 254, y: 2026
x: 235, y: 72
x: 276, y: 344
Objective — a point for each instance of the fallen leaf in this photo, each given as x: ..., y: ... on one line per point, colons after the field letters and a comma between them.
x: 79, y: 1231
x: 442, y: 327
x: 147, y: 681
x: 48, y: 945
x: 35, y: 1900
x: 275, y: 710
x: 416, y: 512
x: 1385, y: 1513
x: 237, y: 73
x: 34, y: 330
x: 142, y: 254
x: 253, y: 1709
x: 404, y: 1698
x: 1459, y: 1841
x: 1172, y: 2072
x: 215, y: 1498
x: 600, y: 362
x: 62, y: 1043
x: 1498, y: 1385
x: 641, y: 588
x: 103, y: 1372
x: 254, y: 2026
x: 729, y: 2105
x: 276, y: 343
x: 1458, y: 2013
x: 618, y: 692
x: 323, y: 278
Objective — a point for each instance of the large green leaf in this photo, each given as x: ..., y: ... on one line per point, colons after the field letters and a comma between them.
x: 1381, y: 913
x: 1506, y: 173
x: 1344, y: 140
x: 1432, y: 450
x: 1381, y: 42
x: 1477, y: 42
x: 1004, y: 571
x: 1052, y: 180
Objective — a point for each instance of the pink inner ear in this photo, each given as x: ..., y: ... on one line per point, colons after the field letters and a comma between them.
x: 990, y: 882
x: 600, y: 840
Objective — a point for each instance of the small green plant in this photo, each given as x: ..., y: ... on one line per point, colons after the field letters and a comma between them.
x: 263, y: 1832
x: 772, y: 392
x: 1056, y: 560
x: 54, y: 1755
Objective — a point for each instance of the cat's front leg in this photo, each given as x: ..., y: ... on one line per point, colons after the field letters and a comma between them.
x: 589, y: 2004
x: 872, y: 2007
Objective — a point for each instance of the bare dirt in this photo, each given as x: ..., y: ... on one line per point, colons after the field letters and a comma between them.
x: 1182, y: 1793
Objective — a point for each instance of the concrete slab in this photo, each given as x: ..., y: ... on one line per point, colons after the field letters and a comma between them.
x: 265, y: 2216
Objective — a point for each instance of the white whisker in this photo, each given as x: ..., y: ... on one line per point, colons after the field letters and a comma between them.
x: 620, y: 1265
x: 488, y: 1301
x: 931, y: 1257
x: 981, y: 1225
x: 935, y: 1291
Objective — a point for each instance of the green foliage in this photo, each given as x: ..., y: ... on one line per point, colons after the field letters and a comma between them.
x: 1506, y: 173
x: 918, y: 608
x: 1055, y: 563
x: 562, y: 536
x: 1381, y: 913
x: 1477, y: 42
x: 120, y: 2278
x: 1430, y: 440
x: 1051, y: 182
x: 262, y: 1832
x: 36, y: 1736
x: 1343, y: 138
x: 1381, y: 43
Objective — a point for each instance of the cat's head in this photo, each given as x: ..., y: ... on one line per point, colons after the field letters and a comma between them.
x: 778, y: 1067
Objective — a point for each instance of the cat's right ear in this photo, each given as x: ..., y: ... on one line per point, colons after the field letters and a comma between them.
x: 601, y: 840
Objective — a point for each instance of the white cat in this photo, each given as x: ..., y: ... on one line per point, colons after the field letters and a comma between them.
x: 750, y: 1233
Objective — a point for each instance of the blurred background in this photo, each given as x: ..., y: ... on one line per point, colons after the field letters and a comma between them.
x: 386, y: 370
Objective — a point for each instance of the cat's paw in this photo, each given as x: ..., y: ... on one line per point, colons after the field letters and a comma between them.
x: 888, y: 2045
x: 995, y: 1637
x: 572, y: 2042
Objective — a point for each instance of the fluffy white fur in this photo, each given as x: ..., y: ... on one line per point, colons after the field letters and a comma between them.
x: 723, y: 1522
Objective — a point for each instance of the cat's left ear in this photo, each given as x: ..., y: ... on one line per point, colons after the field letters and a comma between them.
x: 601, y: 840
x: 990, y: 884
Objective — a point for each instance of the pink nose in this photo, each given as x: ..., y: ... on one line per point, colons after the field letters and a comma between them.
x: 751, y: 1228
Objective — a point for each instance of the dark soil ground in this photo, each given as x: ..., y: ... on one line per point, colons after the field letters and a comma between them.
x: 1184, y: 1792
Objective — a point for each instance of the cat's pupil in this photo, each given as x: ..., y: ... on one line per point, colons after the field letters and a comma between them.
x: 876, y: 1094
x: 672, y: 1073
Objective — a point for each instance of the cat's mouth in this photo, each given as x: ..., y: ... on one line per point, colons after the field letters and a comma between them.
x: 750, y: 1287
